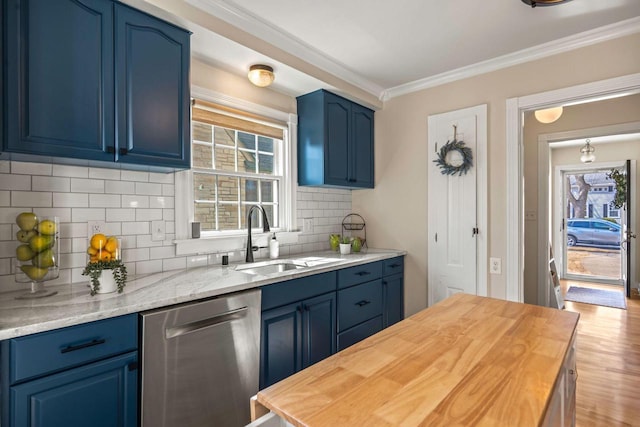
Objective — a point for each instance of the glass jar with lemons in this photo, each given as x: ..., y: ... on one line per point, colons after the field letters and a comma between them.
x: 104, y: 253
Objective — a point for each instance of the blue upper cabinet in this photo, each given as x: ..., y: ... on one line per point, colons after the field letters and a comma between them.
x: 95, y: 80
x: 152, y: 98
x: 335, y: 142
x: 60, y: 78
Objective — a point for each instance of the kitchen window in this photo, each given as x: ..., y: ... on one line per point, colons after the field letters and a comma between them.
x: 239, y: 159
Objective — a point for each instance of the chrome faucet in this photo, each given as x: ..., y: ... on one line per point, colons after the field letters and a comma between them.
x: 265, y: 229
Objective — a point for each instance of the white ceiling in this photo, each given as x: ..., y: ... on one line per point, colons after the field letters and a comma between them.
x: 382, y: 45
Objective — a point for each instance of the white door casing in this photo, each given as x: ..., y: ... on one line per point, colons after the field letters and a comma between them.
x: 457, y: 205
x: 515, y: 108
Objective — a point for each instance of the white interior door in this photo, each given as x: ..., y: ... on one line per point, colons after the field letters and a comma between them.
x: 453, y: 230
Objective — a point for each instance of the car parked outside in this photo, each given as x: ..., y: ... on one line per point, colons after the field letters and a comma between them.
x: 591, y: 231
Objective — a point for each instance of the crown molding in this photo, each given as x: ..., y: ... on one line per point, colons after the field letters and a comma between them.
x: 246, y: 21
x: 587, y: 38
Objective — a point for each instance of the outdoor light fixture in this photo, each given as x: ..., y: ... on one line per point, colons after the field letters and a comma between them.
x: 261, y: 75
x: 534, y: 3
x: 587, y: 151
x: 549, y: 115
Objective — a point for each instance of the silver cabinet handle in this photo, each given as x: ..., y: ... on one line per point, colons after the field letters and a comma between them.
x: 188, y: 328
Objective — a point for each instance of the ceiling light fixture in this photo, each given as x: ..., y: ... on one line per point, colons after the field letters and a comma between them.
x: 261, y: 75
x: 587, y: 151
x: 548, y: 115
x: 534, y: 3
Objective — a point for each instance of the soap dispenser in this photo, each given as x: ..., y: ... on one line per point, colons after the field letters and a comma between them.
x: 274, y: 247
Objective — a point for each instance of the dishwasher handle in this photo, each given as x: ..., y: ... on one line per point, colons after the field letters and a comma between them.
x: 198, y: 325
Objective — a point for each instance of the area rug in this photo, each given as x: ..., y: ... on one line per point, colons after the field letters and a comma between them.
x: 602, y: 297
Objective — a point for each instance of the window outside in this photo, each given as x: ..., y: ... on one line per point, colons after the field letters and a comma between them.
x: 233, y: 170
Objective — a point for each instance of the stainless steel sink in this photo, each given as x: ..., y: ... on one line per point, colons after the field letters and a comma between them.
x: 270, y: 267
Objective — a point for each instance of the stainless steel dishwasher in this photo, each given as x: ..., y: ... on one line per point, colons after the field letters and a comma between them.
x: 201, y: 362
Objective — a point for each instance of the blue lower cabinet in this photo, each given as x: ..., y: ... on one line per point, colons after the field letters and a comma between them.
x: 360, y: 332
x: 393, y: 295
x: 101, y: 394
x: 296, y: 336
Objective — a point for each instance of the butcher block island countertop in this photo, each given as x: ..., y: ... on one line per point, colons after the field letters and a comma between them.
x: 465, y: 361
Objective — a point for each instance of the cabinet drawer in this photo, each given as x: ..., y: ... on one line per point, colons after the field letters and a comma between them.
x: 393, y: 266
x: 359, y: 303
x: 359, y: 274
x: 51, y: 351
x: 283, y: 293
x: 360, y: 332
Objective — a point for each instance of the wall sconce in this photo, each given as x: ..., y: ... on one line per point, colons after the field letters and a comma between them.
x: 261, y: 75
x: 587, y: 151
x: 549, y: 115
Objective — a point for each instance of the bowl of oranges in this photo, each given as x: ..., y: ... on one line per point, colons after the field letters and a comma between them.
x: 105, y: 267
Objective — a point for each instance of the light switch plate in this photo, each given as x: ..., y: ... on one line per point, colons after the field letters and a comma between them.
x: 158, y: 230
x: 307, y: 225
x: 495, y: 265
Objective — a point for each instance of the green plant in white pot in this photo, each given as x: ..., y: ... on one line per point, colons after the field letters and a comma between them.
x: 106, y: 276
x: 345, y: 245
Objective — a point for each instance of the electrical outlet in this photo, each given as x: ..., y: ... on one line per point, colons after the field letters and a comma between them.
x: 495, y: 265
x: 95, y: 227
x: 530, y: 216
x: 307, y: 225
x: 157, y: 230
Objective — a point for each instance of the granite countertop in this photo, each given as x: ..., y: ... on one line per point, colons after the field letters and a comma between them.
x: 74, y: 305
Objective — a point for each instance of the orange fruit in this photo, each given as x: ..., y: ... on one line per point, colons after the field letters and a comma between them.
x: 111, y: 245
x: 93, y: 259
x: 98, y: 241
x: 91, y: 251
x: 105, y: 256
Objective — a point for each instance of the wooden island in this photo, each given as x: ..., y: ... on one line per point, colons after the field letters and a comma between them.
x: 466, y: 361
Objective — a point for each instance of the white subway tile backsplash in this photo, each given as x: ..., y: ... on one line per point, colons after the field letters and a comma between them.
x: 87, y: 185
x: 98, y: 173
x: 30, y: 199
x: 161, y: 178
x: 168, y: 190
x: 162, y: 252
x: 139, y: 254
x: 135, y: 201
x: 150, y: 189
x: 161, y: 202
x: 127, y: 175
x: 51, y: 183
x: 90, y: 214
x: 15, y: 182
x: 71, y: 171
x: 74, y: 229
x: 121, y: 214
x: 174, y: 264
x: 133, y: 228
x: 26, y: 168
x: 148, y: 267
x: 128, y: 201
x: 148, y: 214
x: 119, y: 187
x: 104, y: 201
x: 70, y: 200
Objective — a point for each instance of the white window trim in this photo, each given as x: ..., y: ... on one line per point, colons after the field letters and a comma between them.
x: 234, y: 240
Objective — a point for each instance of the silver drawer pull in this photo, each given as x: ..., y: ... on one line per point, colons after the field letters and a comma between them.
x: 188, y: 328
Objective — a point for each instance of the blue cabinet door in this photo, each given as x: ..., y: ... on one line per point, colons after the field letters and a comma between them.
x: 102, y: 394
x: 281, y: 343
x: 152, y: 90
x: 361, y: 155
x: 59, y: 65
x: 393, y: 305
x: 337, y: 137
x: 319, y: 328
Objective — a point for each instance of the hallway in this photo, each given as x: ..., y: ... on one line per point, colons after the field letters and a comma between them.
x: 608, y: 390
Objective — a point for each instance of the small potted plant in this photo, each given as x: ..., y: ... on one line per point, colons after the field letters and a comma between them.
x: 345, y: 245
x: 104, y: 254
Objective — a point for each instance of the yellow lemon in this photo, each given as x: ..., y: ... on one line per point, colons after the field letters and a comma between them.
x: 98, y: 241
x: 91, y: 251
x: 111, y: 245
x: 47, y: 227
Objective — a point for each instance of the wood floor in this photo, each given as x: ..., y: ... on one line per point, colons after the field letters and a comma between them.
x: 608, y: 362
